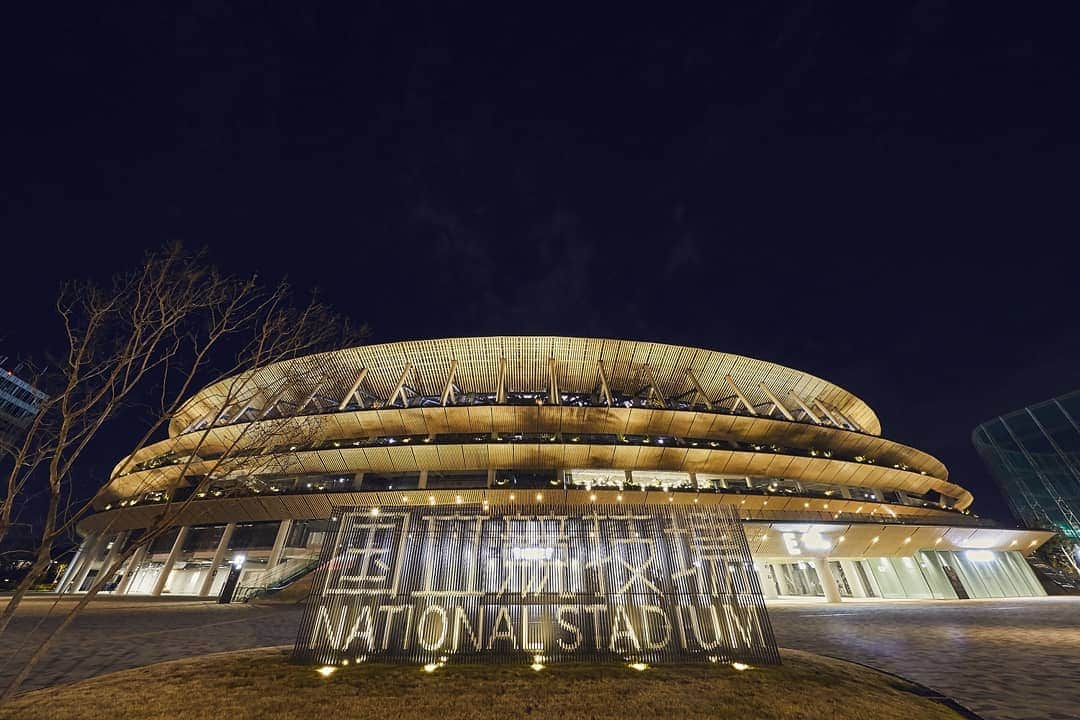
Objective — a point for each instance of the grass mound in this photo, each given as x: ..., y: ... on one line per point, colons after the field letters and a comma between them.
x: 261, y: 684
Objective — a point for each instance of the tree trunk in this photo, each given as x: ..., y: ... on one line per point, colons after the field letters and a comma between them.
x: 90, y: 594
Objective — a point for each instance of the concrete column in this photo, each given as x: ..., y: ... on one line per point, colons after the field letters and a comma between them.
x: 131, y: 568
x: 219, y: 555
x: 768, y: 587
x: 84, y: 569
x: 80, y: 554
x: 853, y: 578
x: 159, y: 584
x: 114, y: 552
x: 781, y: 579
x: 279, y: 544
x: 828, y: 580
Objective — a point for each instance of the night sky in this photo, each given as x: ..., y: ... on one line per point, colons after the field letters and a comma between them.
x: 882, y: 195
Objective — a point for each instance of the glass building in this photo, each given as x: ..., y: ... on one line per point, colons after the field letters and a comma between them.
x: 19, y: 403
x: 1034, y: 455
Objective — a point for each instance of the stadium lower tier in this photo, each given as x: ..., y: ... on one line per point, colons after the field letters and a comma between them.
x: 799, y: 549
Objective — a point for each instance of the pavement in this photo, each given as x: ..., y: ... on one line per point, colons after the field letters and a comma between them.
x: 1003, y: 659
x: 118, y: 634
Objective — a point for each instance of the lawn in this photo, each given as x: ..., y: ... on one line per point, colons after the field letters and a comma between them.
x: 262, y: 684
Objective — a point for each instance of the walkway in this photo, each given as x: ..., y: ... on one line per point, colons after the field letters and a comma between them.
x: 1003, y: 659
x: 117, y: 634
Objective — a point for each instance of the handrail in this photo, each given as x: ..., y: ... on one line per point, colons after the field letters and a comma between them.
x: 269, y: 583
x: 534, y: 398
x: 284, y: 572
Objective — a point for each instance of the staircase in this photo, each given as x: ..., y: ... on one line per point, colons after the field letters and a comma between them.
x: 276, y: 579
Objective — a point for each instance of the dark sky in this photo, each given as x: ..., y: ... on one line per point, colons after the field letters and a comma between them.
x: 881, y: 194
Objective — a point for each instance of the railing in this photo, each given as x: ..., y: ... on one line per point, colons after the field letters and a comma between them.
x: 540, y: 398
x: 275, y: 579
x: 321, y: 484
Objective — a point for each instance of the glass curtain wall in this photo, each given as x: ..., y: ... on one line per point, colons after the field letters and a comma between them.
x: 1034, y: 455
x: 928, y: 575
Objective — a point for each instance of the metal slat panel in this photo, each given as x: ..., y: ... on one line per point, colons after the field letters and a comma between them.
x: 685, y: 564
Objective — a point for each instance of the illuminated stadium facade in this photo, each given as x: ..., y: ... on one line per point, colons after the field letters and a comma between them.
x: 830, y: 508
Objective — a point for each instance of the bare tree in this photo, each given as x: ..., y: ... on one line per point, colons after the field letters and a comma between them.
x: 170, y: 325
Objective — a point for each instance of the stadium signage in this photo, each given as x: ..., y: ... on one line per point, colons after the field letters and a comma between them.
x: 510, y: 583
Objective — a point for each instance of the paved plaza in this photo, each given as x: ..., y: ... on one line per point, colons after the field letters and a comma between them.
x: 1016, y: 658
x: 118, y: 634
x: 1002, y: 659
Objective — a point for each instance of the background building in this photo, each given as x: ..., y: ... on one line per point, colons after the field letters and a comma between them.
x: 19, y: 402
x: 1034, y: 455
x: 830, y: 508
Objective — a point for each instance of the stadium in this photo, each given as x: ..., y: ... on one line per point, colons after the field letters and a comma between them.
x: 257, y: 469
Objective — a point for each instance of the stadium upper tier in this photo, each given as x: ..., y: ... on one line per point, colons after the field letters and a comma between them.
x: 553, y: 403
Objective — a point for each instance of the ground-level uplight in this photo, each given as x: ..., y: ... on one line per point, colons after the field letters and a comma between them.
x: 538, y: 663
x: 327, y: 670
x: 639, y: 666
x: 433, y: 666
x: 740, y: 666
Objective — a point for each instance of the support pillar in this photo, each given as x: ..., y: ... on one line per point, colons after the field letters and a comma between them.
x: 178, y: 544
x: 782, y: 579
x: 131, y: 568
x: 768, y: 585
x: 279, y: 545
x: 219, y: 555
x: 828, y: 580
x: 84, y: 569
x: 114, y: 551
x: 80, y: 555
x: 854, y: 579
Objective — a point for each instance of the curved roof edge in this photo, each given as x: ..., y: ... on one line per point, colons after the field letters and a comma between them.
x: 474, y: 364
